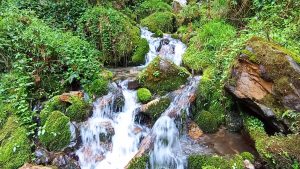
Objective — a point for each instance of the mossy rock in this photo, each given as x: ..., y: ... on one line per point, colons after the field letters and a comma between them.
x: 160, y: 22
x: 162, y: 76
x: 79, y: 109
x: 155, y: 110
x: 52, y: 105
x: 111, y: 32
x: 214, y: 161
x: 140, y: 53
x: 56, y: 133
x: 144, y: 95
x: 208, y: 122
x: 139, y: 163
x: 14, y: 145
x: 98, y: 87
x: 149, y: 7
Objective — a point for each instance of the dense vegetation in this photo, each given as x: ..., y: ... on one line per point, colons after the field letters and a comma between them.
x: 52, y: 47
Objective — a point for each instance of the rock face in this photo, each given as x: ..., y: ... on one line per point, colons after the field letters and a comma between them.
x: 194, y: 131
x: 266, y: 81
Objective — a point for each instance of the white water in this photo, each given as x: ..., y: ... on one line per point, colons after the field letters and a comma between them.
x: 96, y: 153
x: 181, y: 2
x: 172, y: 51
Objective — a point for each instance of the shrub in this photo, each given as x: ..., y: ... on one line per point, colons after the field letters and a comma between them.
x: 144, y: 95
x: 111, y: 32
x: 14, y: 145
x: 151, y: 6
x: 139, y: 55
x: 56, y: 133
x: 208, y: 121
x: 79, y: 109
x: 160, y: 22
x: 189, y: 13
x: 98, y: 87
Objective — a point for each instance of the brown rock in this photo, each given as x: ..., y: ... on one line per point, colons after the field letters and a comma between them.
x: 194, y: 131
x: 65, y: 97
x: 31, y: 166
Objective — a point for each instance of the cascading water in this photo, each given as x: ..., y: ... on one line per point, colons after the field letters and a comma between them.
x: 166, y: 47
x: 167, y: 151
x: 96, y: 151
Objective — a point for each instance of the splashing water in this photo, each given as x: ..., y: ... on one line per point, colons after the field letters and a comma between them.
x: 96, y: 152
x: 181, y: 2
x: 166, y: 47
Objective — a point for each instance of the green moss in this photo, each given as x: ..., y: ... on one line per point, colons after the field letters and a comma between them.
x: 98, y: 87
x: 139, y: 55
x: 160, y: 22
x: 144, y: 95
x: 52, y: 105
x: 14, y: 145
x: 206, y: 161
x: 79, y: 109
x: 5, y: 110
x: 56, y: 134
x: 111, y: 32
x: 207, y: 121
x: 139, y: 163
x: 248, y: 156
x: 155, y: 110
x: 162, y: 76
x: 148, y: 7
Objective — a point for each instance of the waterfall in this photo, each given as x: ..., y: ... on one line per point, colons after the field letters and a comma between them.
x: 165, y: 47
x: 109, y: 139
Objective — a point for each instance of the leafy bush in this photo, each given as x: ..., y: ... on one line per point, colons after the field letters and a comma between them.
x: 189, y: 13
x: 111, y: 32
x: 151, y: 6
x: 144, y: 95
x: 98, y: 87
x: 14, y: 145
x: 160, y: 22
x: 56, y: 134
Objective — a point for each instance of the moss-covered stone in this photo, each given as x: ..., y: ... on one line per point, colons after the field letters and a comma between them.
x: 52, y: 105
x: 56, y: 133
x: 111, y: 32
x: 148, y: 7
x: 139, y: 55
x: 79, y: 109
x: 144, y: 95
x: 155, y: 110
x: 139, y: 163
x: 98, y: 87
x: 207, y: 121
x: 14, y: 145
x: 160, y: 22
x: 209, y: 161
x: 162, y: 76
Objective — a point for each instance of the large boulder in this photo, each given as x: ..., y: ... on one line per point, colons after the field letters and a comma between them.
x: 266, y: 80
x: 162, y: 76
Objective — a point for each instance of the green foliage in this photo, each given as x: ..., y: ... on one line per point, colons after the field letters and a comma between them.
x: 62, y: 14
x: 55, y: 134
x: 139, y: 55
x: 248, y: 156
x: 160, y: 22
x: 208, y: 122
x: 98, y: 87
x: 151, y: 6
x: 189, y: 13
x: 14, y: 145
x: 139, y: 163
x: 5, y: 111
x: 79, y: 109
x: 162, y: 76
x: 111, y: 32
x: 155, y: 110
x: 144, y: 95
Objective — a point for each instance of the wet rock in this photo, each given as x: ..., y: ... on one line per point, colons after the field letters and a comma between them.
x: 145, y: 107
x: 248, y: 165
x: 42, y: 156
x: 31, y: 166
x: 194, y: 131
x: 118, y: 100
x: 265, y: 79
x: 65, y: 97
x: 109, y: 131
x: 133, y: 85
x: 63, y: 161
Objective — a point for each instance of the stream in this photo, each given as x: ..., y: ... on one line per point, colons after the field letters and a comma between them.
x: 111, y: 137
